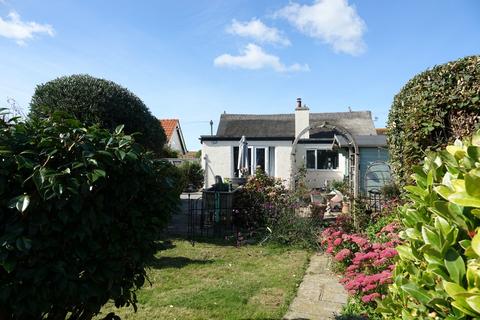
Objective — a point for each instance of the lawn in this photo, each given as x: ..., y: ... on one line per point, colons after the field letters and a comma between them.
x: 219, y: 281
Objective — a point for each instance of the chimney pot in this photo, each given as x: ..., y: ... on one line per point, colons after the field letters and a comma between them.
x: 299, y: 103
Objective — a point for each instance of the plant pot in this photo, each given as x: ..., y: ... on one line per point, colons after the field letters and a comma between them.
x: 346, y: 207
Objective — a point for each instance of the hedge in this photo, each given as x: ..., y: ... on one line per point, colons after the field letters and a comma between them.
x: 432, y: 109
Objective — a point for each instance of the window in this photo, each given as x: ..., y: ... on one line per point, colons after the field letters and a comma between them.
x: 322, y: 159
x: 260, y: 158
x: 235, y: 162
x: 264, y: 157
x: 271, y: 161
x: 311, y: 159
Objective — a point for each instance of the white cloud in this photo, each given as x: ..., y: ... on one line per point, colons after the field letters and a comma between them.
x: 254, y: 57
x: 20, y: 31
x: 332, y: 21
x: 257, y: 30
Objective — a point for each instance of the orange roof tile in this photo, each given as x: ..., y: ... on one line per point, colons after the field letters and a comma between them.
x: 169, y: 126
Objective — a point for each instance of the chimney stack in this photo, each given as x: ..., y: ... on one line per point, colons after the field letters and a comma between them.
x: 302, y: 119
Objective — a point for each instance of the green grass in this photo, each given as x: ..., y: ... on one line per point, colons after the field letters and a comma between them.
x: 219, y: 281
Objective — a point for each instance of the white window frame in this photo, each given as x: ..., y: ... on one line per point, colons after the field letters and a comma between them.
x: 316, y: 163
x: 253, y: 167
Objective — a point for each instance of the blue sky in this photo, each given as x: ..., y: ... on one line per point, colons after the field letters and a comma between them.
x: 195, y: 59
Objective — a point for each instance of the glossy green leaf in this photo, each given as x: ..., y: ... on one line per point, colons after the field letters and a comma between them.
x: 405, y: 252
x: 453, y: 289
x: 443, y: 191
x: 476, y: 244
x: 418, y: 293
x: 474, y: 303
x: 462, y: 305
x: 431, y: 237
x: 455, y: 266
x: 416, y: 190
x: 21, y: 203
x: 472, y: 184
x: 464, y: 199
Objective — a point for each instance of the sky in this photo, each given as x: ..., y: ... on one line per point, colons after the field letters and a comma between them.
x: 196, y: 59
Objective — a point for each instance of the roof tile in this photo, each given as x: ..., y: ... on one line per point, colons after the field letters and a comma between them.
x: 169, y: 126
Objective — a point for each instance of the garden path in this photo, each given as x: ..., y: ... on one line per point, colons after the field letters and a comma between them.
x: 320, y: 295
x: 178, y: 225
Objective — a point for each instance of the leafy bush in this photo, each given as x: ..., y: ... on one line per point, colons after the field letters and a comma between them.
x: 431, y: 110
x: 98, y: 101
x: 438, y: 273
x: 260, y: 201
x: 168, y: 152
x: 80, y: 210
x: 193, y: 174
x: 266, y: 208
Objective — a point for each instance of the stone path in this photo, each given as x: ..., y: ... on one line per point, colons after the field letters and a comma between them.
x: 320, y: 295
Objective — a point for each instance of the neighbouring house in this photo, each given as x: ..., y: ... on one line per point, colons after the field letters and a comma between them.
x: 174, y: 135
x: 330, y: 146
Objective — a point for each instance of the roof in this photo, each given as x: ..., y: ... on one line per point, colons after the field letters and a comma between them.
x: 283, y: 125
x: 365, y: 141
x: 169, y: 126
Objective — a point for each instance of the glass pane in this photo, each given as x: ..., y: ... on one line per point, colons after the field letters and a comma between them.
x: 327, y: 159
x: 260, y: 158
x: 271, y: 161
x: 250, y: 162
x: 235, y: 162
x: 310, y: 159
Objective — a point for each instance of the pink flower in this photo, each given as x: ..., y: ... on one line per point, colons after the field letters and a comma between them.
x: 337, y: 241
x: 342, y: 254
x: 370, y: 297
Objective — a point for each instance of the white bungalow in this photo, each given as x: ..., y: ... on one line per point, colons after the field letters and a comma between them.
x: 331, y: 146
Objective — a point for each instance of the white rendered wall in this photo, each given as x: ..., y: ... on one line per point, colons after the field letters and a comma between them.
x: 217, y: 158
x: 302, y: 120
x: 317, y: 178
x: 175, y: 142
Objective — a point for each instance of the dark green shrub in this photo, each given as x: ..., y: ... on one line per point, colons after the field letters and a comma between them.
x: 80, y: 210
x: 431, y: 110
x: 168, y: 152
x: 193, y: 174
x: 438, y: 273
x: 98, y: 101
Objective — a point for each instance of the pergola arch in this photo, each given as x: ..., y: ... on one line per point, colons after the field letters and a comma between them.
x: 353, y: 169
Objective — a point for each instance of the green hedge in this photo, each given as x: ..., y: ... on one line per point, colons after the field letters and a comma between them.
x: 438, y: 273
x: 98, y: 101
x: 80, y: 210
x: 431, y: 110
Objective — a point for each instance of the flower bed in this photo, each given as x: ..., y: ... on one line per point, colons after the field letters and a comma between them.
x: 366, y: 266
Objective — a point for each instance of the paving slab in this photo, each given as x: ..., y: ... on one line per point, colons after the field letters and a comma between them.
x: 320, y: 296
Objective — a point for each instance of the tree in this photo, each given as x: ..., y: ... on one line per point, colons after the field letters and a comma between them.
x: 98, y: 101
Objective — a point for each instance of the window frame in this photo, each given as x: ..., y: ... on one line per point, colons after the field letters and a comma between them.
x: 253, y: 159
x: 316, y: 160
